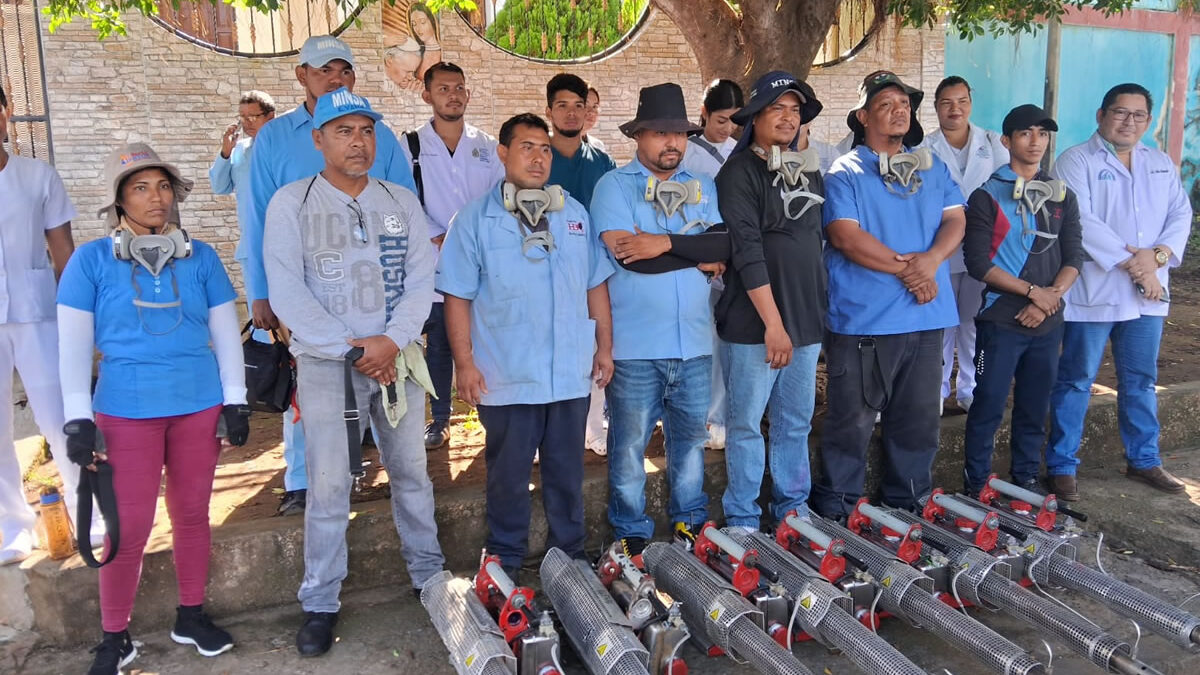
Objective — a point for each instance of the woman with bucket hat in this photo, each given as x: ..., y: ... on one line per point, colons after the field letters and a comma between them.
x: 151, y: 300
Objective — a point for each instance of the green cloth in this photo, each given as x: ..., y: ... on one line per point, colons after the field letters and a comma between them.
x: 410, y: 365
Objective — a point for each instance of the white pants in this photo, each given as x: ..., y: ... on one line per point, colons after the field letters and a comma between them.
x: 968, y: 293
x: 595, y: 418
x: 32, y: 348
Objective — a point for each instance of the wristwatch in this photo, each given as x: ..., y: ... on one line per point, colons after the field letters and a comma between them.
x: 1161, y: 257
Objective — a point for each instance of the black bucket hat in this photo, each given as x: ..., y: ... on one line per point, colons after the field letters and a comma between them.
x: 873, y: 84
x: 767, y: 89
x: 660, y: 108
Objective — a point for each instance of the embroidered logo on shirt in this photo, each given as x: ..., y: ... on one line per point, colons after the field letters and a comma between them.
x: 575, y: 227
x: 482, y: 154
x: 983, y: 151
x: 134, y: 157
x: 393, y: 226
x: 1106, y: 175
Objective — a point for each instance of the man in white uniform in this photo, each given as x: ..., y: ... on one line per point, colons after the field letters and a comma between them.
x: 36, y: 215
x: 455, y: 163
x: 971, y: 154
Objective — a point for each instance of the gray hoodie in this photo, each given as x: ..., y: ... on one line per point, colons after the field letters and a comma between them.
x: 334, y: 276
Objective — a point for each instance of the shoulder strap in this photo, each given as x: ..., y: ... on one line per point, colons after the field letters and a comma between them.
x: 414, y: 148
x: 708, y: 147
x: 98, y: 484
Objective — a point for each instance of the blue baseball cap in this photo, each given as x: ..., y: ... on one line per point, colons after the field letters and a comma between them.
x: 339, y: 103
x: 319, y: 50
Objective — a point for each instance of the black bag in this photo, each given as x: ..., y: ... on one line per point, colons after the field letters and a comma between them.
x: 270, y: 374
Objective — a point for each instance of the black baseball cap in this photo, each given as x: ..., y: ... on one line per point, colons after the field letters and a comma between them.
x: 1026, y: 116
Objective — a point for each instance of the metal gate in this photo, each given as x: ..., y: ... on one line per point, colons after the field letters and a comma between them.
x: 24, y: 80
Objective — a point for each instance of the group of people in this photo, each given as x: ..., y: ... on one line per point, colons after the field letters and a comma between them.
x: 696, y: 286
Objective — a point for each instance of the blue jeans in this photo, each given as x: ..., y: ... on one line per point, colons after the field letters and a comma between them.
x: 788, y: 395
x: 1002, y: 353
x: 439, y: 361
x: 402, y: 451
x: 1135, y: 355
x: 640, y: 393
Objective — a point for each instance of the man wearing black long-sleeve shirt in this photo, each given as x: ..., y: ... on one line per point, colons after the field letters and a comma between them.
x: 1024, y: 241
x: 770, y: 317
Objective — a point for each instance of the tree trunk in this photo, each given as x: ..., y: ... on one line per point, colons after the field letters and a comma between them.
x: 764, y: 35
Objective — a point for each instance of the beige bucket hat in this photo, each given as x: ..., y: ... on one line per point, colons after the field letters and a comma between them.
x: 127, y: 160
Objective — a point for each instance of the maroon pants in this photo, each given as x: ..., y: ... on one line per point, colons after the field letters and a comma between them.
x: 138, y: 449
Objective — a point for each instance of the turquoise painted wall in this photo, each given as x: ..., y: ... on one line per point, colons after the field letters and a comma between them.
x: 1008, y: 71
x: 1191, y: 130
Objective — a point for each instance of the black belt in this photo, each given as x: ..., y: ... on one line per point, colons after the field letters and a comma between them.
x: 350, y: 414
x: 98, y: 484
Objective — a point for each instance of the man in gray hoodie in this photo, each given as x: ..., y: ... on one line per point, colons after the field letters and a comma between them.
x: 350, y: 267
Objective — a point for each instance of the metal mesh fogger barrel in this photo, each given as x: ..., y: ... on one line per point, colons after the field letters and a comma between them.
x: 823, y: 614
x: 908, y: 597
x: 476, y: 645
x: 712, y: 607
x: 599, y: 631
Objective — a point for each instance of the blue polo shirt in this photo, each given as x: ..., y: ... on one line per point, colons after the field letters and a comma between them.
x: 284, y: 153
x: 531, y: 336
x: 867, y: 302
x: 578, y: 174
x: 155, y: 362
x: 655, y: 316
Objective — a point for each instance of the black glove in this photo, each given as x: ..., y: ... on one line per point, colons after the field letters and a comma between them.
x: 234, y: 424
x: 82, y: 437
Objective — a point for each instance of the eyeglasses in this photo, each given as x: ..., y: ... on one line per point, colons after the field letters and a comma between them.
x: 252, y: 118
x: 360, y: 229
x: 1121, y: 114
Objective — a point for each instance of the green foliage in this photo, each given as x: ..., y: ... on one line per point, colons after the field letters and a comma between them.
x: 971, y: 18
x: 553, y: 29
x: 976, y: 18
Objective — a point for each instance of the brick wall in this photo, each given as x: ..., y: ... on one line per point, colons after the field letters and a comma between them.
x: 151, y: 86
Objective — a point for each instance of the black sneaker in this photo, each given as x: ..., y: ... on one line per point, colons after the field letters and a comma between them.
x: 293, y: 502
x: 316, y: 635
x: 437, y: 434
x: 193, y: 627
x: 632, y: 546
x: 1033, y: 485
x: 113, y: 653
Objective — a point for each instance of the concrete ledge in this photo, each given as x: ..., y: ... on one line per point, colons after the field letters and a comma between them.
x: 260, y: 563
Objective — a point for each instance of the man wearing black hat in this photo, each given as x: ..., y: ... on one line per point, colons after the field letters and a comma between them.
x: 892, y: 219
x: 662, y: 322
x: 1024, y: 241
x: 771, y: 316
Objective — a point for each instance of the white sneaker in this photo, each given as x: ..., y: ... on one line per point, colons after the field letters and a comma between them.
x: 537, y: 458
x: 716, y: 437
x: 598, y: 446
x: 18, y: 546
x: 878, y: 417
x: 740, y: 530
x: 965, y: 403
x: 941, y: 407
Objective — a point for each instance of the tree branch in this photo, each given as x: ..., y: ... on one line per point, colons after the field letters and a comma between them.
x: 712, y: 30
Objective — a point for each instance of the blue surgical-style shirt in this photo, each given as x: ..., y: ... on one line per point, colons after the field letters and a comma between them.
x: 155, y: 361
x: 532, y: 338
x: 579, y: 173
x: 656, y: 316
x: 867, y: 302
x: 283, y: 153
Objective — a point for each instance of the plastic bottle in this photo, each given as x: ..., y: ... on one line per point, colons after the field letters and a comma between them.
x: 56, y: 523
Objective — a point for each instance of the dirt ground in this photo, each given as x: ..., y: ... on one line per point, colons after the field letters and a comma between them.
x: 249, y: 480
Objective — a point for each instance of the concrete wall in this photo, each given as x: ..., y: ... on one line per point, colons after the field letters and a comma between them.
x: 155, y: 87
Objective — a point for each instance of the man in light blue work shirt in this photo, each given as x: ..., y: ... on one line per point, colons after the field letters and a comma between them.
x: 891, y: 226
x: 230, y: 171
x: 662, y: 323
x: 527, y: 313
x: 1136, y: 218
x: 284, y: 153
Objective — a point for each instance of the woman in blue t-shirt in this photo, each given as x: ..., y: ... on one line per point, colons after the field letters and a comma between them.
x: 151, y: 301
